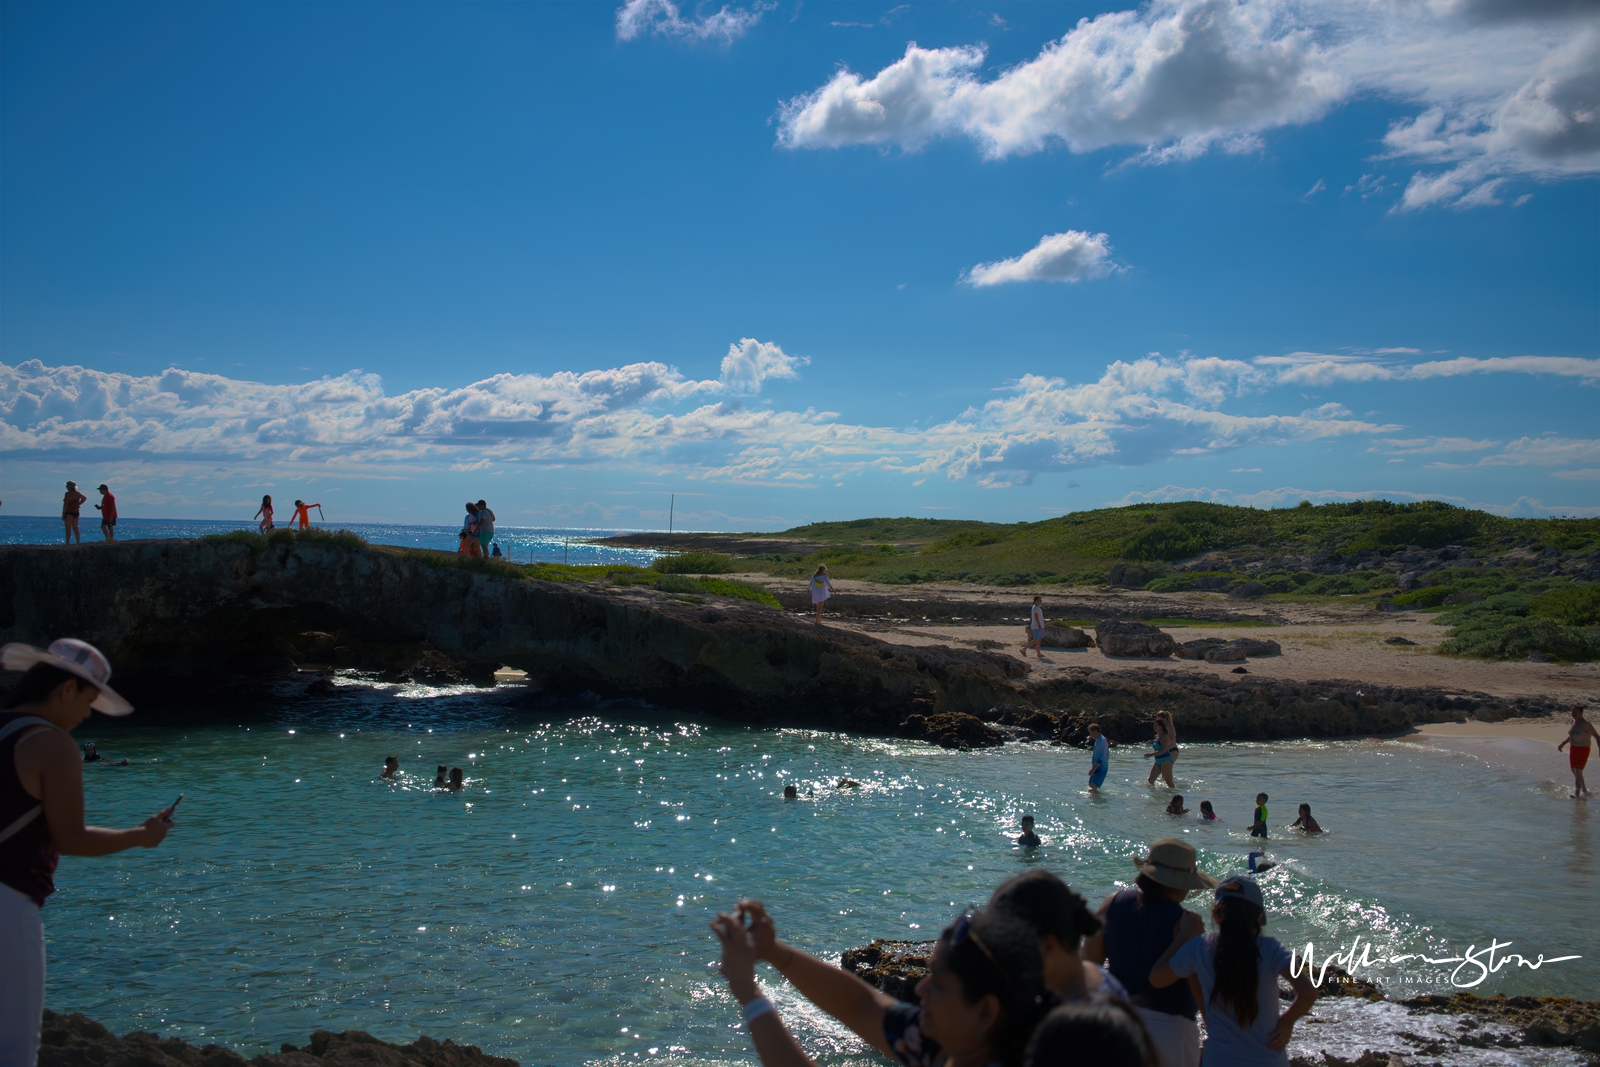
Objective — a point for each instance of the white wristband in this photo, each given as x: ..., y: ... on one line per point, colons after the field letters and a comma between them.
x: 756, y: 1008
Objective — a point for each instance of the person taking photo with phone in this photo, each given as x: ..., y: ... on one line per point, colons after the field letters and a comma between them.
x: 41, y: 814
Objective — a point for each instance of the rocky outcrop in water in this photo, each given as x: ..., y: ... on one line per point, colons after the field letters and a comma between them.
x: 74, y: 1041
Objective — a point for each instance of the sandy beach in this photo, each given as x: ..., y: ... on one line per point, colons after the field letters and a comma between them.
x: 1320, y: 641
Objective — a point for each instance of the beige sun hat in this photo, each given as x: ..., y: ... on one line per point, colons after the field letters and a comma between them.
x: 75, y: 657
x: 1172, y: 863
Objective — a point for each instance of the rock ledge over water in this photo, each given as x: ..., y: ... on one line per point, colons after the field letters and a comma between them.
x: 74, y: 1041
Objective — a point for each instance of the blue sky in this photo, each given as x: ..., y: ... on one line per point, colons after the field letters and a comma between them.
x: 780, y: 260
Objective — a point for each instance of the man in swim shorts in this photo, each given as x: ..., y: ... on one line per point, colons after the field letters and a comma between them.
x: 108, y: 513
x: 1035, y: 629
x: 1100, y: 761
x: 1581, y: 736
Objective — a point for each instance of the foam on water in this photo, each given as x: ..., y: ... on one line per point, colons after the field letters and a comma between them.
x: 563, y: 895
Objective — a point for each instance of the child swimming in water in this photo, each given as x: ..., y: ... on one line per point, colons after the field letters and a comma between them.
x: 1258, y: 825
x: 455, y: 782
x: 440, y: 780
x: 391, y: 766
x: 1028, y: 838
x: 1206, y: 813
x: 1306, y: 822
x: 1176, y: 807
x: 790, y: 792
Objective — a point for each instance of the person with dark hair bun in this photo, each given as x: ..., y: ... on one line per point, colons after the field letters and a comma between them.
x: 1141, y: 924
x: 1061, y: 919
x: 1093, y: 1034
x: 1234, y: 974
x: 980, y: 1002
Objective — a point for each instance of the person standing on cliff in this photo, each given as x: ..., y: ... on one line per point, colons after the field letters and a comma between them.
x: 108, y: 513
x: 1581, y: 736
x: 69, y: 511
x: 264, y: 513
x: 41, y: 815
x: 485, y: 526
x: 821, y: 589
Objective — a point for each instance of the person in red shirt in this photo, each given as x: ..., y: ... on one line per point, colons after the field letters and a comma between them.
x: 108, y: 513
x: 302, y: 514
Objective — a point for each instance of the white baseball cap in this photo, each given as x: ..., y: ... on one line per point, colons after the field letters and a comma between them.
x: 75, y: 657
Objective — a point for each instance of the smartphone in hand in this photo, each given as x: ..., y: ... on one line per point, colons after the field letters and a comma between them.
x: 166, y: 816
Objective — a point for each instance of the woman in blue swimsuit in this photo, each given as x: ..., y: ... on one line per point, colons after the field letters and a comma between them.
x: 1163, y: 749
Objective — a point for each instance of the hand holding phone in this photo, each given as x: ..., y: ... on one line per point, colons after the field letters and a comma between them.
x: 166, y: 816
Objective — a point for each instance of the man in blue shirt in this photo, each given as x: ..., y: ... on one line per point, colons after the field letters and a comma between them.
x: 1100, y: 762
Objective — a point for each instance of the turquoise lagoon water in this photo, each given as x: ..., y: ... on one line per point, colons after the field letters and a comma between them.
x: 523, y: 544
x: 555, y: 911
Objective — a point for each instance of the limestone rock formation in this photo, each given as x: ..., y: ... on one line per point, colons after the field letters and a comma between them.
x: 1123, y: 638
x: 74, y: 1041
x: 1056, y: 636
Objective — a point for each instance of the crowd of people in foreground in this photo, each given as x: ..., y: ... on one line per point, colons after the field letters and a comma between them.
x: 1035, y: 979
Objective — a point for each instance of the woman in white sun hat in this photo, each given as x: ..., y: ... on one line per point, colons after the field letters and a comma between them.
x: 41, y: 815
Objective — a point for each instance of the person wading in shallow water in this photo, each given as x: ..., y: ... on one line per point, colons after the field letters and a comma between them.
x: 1581, y: 737
x: 41, y: 815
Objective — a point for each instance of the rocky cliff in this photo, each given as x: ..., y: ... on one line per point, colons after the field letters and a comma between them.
x: 197, y: 615
x: 191, y: 619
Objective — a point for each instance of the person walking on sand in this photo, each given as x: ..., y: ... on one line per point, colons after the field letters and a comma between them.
x: 821, y: 589
x: 1035, y: 629
x: 302, y: 514
x: 41, y: 815
x: 264, y: 514
x: 108, y: 513
x: 69, y: 511
x: 1100, y: 761
x: 1163, y: 749
x: 1580, y: 736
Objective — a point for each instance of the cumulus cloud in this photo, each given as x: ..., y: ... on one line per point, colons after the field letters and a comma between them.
x: 663, y: 18
x: 1509, y: 95
x: 1424, y: 445
x: 1135, y: 412
x: 1073, y: 256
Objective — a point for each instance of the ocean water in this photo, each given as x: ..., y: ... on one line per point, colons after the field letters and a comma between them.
x: 521, y: 544
x: 555, y: 911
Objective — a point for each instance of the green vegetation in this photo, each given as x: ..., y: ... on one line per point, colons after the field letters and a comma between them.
x: 1083, y: 547
x: 257, y: 541
x: 678, y: 583
x: 1511, y: 625
x: 694, y: 563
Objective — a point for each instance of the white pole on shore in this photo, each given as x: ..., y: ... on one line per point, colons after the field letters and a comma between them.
x: 671, y: 508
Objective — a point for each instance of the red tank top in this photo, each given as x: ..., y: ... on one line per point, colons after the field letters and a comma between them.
x: 28, y: 857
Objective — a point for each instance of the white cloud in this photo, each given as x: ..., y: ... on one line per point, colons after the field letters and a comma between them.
x: 1134, y: 413
x: 750, y: 362
x: 1073, y: 256
x: 1544, y: 452
x: 662, y: 17
x: 1511, y: 96
x: 1322, y: 369
x: 1587, y: 474
x: 1425, y: 445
